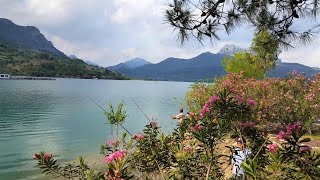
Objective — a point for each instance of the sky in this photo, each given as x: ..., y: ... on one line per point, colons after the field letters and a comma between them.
x: 108, y: 32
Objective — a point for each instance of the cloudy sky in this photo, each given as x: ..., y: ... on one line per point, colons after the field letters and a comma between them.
x: 108, y: 32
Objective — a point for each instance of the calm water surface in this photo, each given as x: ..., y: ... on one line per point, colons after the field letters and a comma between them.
x: 58, y: 116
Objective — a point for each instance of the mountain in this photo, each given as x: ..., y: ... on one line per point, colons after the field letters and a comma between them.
x: 230, y: 49
x: 203, y: 67
x: 91, y: 63
x: 28, y: 37
x: 73, y: 57
x: 131, y: 64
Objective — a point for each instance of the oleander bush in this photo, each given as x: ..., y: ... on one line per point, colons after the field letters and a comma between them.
x: 270, y: 115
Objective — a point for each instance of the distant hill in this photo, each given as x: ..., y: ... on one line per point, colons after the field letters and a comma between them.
x: 26, y: 62
x: 203, y: 67
x: 28, y: 37
x: 131, y: 64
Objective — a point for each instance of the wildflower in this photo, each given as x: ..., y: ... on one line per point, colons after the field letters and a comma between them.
x: 273, y: 148
x: 192, y: 114
x: 248, y: 124
x: 282, y: 135
x: 295, y: 126
x: 305, y: 148
x: 116, y: 156
x: 138, y: 136
x: 187, y: 149
x: 252, y: 102
x: 47, y: 155
x: 214, y: 99
x: 309, y: 97
x: 294, y: 72
x: 240, y: 98
x: 205, y: 109
x: 197, y: 127
x: 113, y: 142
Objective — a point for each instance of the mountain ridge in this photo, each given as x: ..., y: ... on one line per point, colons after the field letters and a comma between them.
x: 130, y: 64
x: 28, y: 37
x: 202, y: 67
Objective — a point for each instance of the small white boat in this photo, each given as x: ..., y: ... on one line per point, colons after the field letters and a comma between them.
x: 4, y: 76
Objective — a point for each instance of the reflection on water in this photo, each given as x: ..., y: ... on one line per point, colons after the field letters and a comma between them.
x: 58, y: 116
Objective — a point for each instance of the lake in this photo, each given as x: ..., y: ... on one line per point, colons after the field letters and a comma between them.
x: 58, y: 116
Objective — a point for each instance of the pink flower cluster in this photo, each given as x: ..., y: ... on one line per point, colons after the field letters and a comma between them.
x: 252, y: 102
x: 45, y: 156
x: 273, y: 148
x: 196, y: 128
x: 291, y: 127
x: 187, y: 149
x: 206, y: 107
x: 113, y: 142
x: 214, y: 99
x: 116, y: 156
x: 138, y: 136
x: 305, y: 148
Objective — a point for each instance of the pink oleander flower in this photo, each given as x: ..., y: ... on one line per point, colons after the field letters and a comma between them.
x: 35, y: 156
x: 273, y: 148
x: 47, y: 155
x: 252, y: 102
x: 305, y: 148
x: 240, y: 98
x: 192, y: 114
x: 294, y: 72
x: 205, y: 109
x: 196, y: 128
x: 138, y: 136
x: 282, y: 135
x: 214, y: 99
x: 248, y: 124
x: 187, y: 149
x: 295, y: 126
x: 309, y: 97
x: 113, y: 142
x: 116, y: 156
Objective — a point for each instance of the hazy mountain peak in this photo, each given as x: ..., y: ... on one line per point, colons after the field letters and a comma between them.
x: 131, y: 64
x: 230, y: 49
x: 136, y: 62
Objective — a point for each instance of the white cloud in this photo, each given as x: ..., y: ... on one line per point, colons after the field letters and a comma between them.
x: 133, y: 11
x: 308, y: 55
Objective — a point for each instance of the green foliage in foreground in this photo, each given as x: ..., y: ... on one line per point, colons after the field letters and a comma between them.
x: 193, y: 150
x: 24, y: 62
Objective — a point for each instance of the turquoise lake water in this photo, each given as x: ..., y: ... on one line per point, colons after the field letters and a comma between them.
x: 59, y: 117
